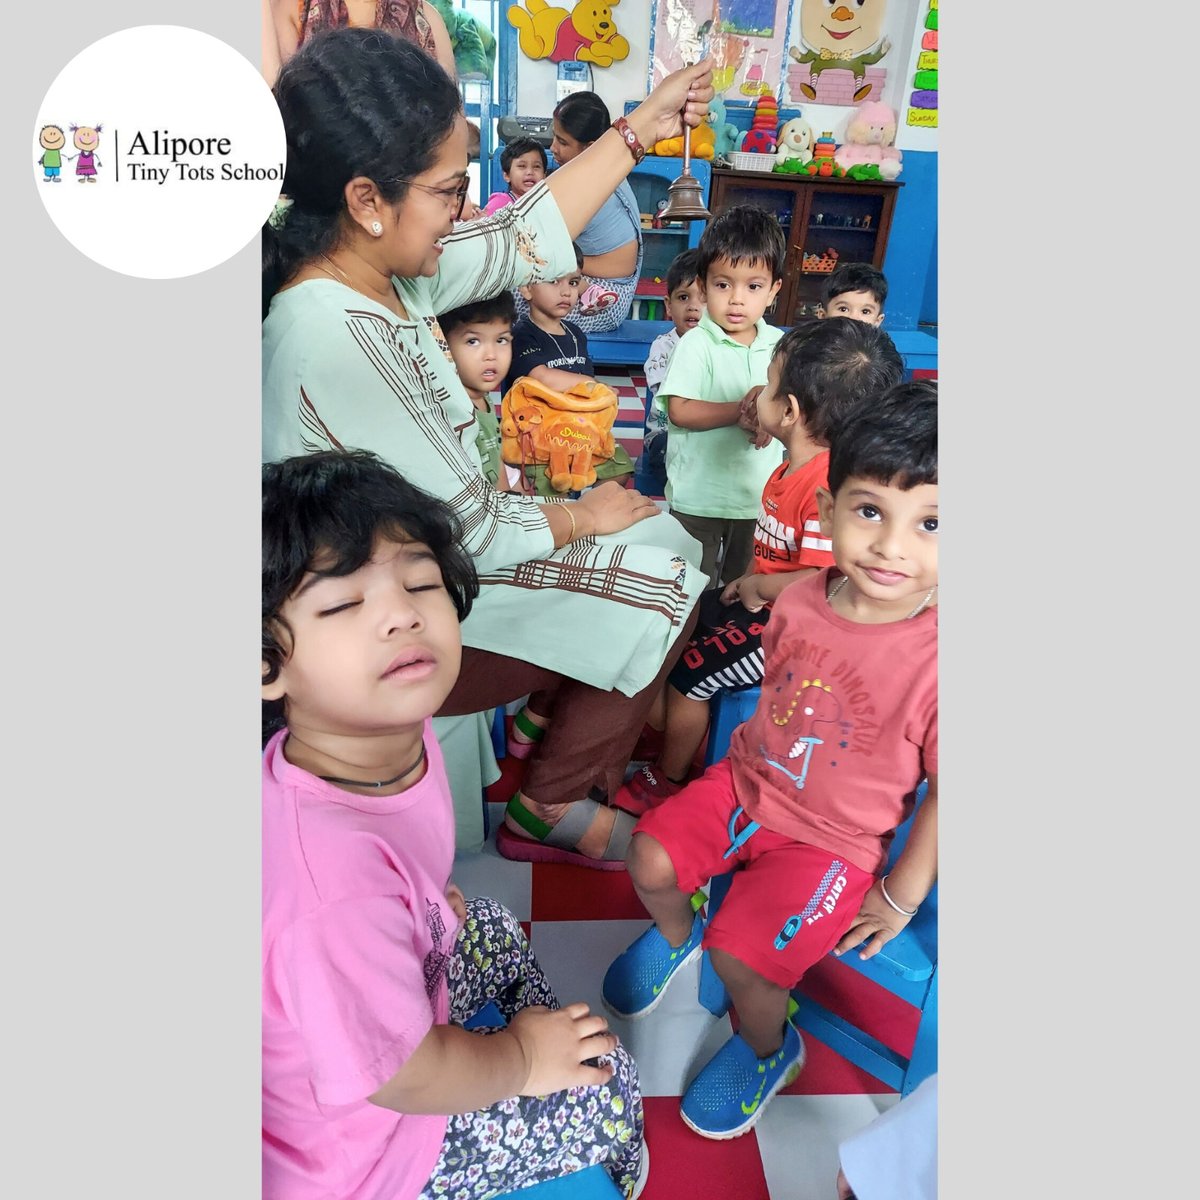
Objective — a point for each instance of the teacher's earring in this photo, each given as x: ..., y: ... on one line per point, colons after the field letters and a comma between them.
x: 376, y: 227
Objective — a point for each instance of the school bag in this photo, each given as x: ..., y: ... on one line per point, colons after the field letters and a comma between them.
x: 569, y: 433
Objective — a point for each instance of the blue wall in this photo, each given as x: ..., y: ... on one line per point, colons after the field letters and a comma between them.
x: 911, y: 261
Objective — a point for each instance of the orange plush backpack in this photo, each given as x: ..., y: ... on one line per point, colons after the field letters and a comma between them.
x: 567, y: 432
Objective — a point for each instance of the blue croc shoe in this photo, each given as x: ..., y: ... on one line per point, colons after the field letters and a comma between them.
x: 731, y: 1091
x: 637, y: 979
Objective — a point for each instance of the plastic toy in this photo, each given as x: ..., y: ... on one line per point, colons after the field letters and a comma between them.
x: 795, y: 142
x: 726, y: 135
x: 818, y: 264
x: 869, y: 137
x: 760, y: 137
x: 824, y: 146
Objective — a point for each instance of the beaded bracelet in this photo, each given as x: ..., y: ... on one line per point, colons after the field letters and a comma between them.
x: 904, y: 912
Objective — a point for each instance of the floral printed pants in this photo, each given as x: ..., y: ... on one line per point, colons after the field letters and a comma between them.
x: 527, y: 1139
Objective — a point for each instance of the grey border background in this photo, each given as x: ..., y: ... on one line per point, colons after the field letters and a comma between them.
x: 130, y: 838
x: 131, y: 843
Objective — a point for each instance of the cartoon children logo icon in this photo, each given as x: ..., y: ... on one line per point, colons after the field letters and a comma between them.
x: 86, y: 138
x: 52, y: 140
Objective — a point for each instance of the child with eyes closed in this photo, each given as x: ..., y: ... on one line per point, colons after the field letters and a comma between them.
x: 372, y: 957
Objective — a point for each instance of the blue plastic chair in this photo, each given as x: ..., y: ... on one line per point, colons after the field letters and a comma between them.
x: 730, y: 707
x: 906, y: 966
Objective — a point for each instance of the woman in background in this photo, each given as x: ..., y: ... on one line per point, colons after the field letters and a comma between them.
x: 295, y: 21
x: 612, y: 241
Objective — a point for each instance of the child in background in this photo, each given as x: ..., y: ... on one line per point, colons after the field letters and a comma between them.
x: 480, y: 339
x: 714, y: 475
x: 821, y: 372
x: 804, y: 805
x: 546, y: 346
x: 523, y: 163
x: 554, y: 351
x: 855, y: 290
x: 372, y: 957
x: 685, y: 307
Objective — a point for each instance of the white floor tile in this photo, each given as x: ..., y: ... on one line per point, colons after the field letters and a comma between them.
x: 673, y: 1042
x: 798, y: 1138
x: 485, y: 873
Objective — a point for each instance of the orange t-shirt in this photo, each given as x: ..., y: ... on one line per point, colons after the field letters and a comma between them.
x: 787, y: 535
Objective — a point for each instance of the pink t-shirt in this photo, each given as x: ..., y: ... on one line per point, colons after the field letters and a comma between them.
x: 845, y: 729
x: 497, y: 201
x: 356, y: 935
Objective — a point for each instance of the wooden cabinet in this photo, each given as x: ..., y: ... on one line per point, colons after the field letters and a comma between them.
x: 825, y: 221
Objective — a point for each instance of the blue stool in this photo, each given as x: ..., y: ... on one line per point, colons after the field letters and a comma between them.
x: 906, y: 967
x: 592, y: 1183
x: 729, y: 709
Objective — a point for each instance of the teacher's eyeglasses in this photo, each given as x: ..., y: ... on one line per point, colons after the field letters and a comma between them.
x: 455, y: 198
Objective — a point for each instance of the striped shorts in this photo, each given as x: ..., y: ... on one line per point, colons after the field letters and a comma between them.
x: 725, y: 650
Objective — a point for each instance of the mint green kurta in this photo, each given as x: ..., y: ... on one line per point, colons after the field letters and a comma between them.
x: 342, y: 371
x: 717, y: 472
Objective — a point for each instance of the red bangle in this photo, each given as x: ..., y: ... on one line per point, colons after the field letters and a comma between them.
x: 636, y: 148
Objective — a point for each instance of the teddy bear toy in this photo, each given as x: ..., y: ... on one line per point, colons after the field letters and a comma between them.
x: 869, y: 136
x: 726, y: 134
x: 703, y: 140
x: 795, y: 141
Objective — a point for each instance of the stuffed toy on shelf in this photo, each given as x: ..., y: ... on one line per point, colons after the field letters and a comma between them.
x: 795, y: 141
x: 703, y: 139
x: 869, y: 137
x: 727, y: 135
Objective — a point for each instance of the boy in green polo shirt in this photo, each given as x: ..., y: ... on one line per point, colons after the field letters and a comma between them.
x: 715, y: 475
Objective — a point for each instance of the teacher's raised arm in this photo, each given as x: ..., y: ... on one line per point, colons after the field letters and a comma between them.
x: 582, y: 185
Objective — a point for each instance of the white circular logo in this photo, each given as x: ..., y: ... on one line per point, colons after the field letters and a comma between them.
x: 159, y: 151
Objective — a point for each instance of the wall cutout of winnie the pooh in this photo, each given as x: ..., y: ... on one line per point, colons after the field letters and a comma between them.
x: 587, y: 33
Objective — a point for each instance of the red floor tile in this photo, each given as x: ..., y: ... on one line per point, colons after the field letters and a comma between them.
x: 567, y: 893
x: 683, y: 1164
x: 861, y: 1001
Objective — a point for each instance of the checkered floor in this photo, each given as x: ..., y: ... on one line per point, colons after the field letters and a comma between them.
x: 630, y: 386
x: 579, y: 920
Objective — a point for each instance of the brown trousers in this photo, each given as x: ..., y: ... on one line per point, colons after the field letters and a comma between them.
x: 592, y: 733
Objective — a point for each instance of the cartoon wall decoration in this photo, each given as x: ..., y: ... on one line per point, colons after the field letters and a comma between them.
x: 587, y: 33
x: 922, y: 101
x: 840, y: 45
x: 746, y: 38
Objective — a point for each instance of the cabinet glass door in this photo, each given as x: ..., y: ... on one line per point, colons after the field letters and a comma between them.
x: 842, y: 225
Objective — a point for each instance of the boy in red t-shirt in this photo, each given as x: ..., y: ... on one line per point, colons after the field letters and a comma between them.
x: 820, y: 372
x: 804, y: 806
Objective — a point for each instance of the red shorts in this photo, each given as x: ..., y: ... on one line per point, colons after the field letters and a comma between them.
x: 788, y: 902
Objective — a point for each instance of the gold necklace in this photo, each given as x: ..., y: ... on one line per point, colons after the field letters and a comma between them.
x: 841, y: 583
x: 340, y: 277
